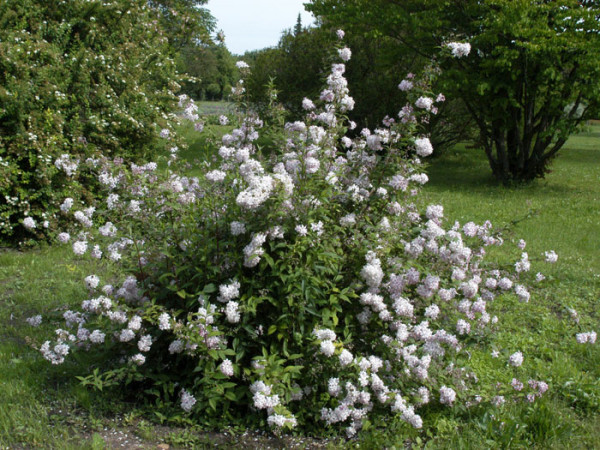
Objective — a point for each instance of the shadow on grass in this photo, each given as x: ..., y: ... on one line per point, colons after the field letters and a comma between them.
x: 466, y: 170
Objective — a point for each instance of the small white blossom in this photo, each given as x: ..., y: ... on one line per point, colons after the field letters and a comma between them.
x: 34, y: 321
x: 226, y: 368
x: 516, y: 359
x: 424, y: 147
x: 164, y: 321
x: 29, y: 223
x: 345, y: 54
x: 551, y: 256
x: 187, y: 401
x: 92, y: 281
x: 459, y: 49
x: 447, y: 396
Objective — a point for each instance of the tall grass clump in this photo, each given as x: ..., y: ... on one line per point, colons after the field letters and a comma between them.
x: 298, y: 287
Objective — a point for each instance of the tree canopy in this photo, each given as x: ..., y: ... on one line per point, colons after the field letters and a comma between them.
x: 532, y: 78
x: 185, y: 22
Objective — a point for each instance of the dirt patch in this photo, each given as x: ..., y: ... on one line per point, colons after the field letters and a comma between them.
x: 143, y: 435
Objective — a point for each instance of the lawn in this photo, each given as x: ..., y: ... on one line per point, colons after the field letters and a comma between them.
x: 45, y: 406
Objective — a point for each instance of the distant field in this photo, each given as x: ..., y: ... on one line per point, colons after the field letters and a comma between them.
x: 213, y: 108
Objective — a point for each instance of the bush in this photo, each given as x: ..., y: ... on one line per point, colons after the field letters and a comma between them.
x: 77, y: 79
x: 304, y: 283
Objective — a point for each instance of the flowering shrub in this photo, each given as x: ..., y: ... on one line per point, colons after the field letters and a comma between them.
x: 77, y: 79
x: 303, y: 285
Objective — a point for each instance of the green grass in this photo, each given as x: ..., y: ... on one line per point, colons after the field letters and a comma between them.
x: 33, y: 394
x: 213, y: 108
x: 561, y: 213
x: 44, y: 406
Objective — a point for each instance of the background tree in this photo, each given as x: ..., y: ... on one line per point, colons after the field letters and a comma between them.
x: 378, y: 64
x: 532, y: 78
x: 210, y: 70
x: 296, y: 65
x: 184, y: 22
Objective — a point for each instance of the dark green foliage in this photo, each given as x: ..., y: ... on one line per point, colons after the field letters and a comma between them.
x: 185, y: 22
x: 533, y: 75
x: 373, y: 73
x: 297, y: 65
x: 210, y: 69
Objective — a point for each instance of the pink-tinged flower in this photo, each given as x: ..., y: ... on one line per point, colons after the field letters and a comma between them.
x: 447, y: 396
x: 463, y: 327
x: 498, y: 401
x: 308, y: 104
x: 63, y: 238
x: 34, y: 321
x: 187, y: 401
x: 345, y: 53
x: 302, y: 230
x: 138, y: 359
x: 405, y: 85
x: 516, y: 384
x: 539, y: 277
x: 216, y: 176
x: 425, y: 103
x: 97, y: 337
x: 586, y: 338
x: 80, y: 247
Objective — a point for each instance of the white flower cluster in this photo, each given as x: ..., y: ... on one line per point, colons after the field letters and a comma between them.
x: 586, y: 338
x: 34, y: 321
x: 459, y: 49
x: 229, y: 291
x: 253, y: 251
x: 187, y: 400
x: 66, y: 164
x: 326, y: 340
x: 516, y: 359
x: 29, y: 223
x: 423, y: 146
x: 262, y: 397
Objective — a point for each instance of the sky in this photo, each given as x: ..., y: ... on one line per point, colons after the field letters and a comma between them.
x: 255, y: 24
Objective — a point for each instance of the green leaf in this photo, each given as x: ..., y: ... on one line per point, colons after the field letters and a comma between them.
x: 209, y: 288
